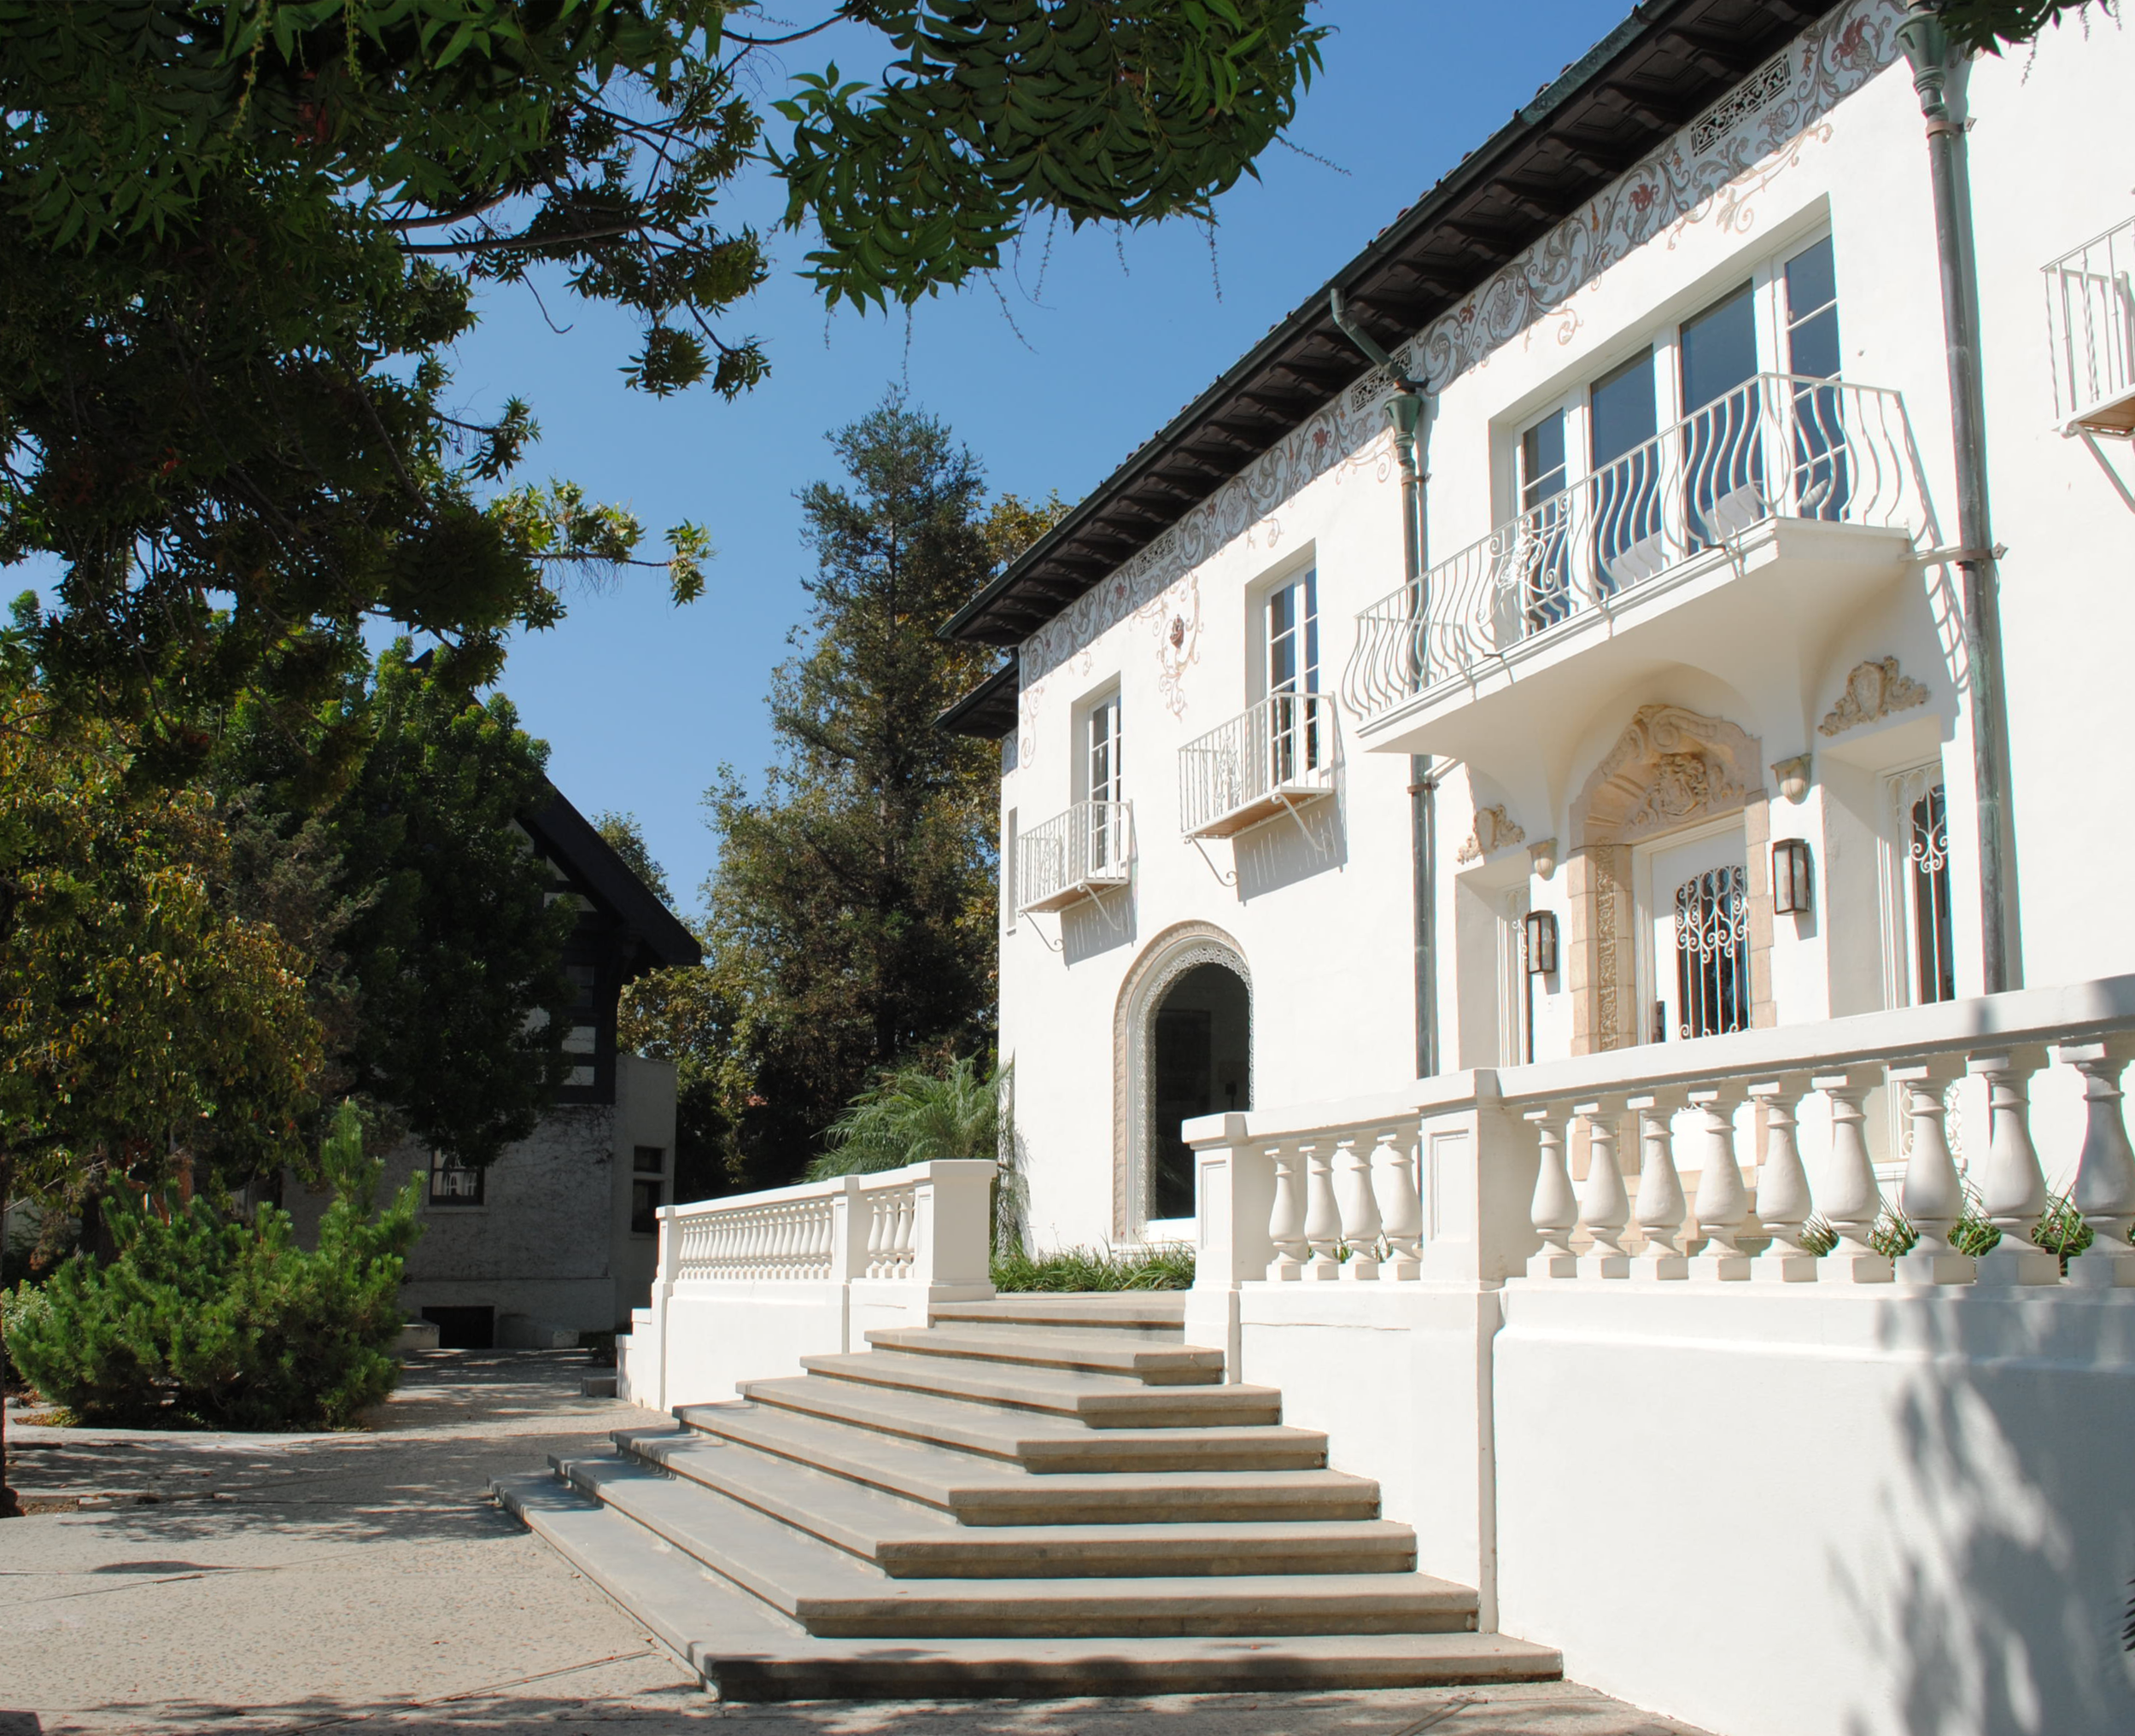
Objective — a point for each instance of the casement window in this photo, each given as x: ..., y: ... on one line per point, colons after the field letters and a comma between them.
x: 1920, y: 958
x: 648, y: 1189
x: 1102, y: 787
x: 1695, y: 963
x: 1007, y: 871
x: 1297, y: 735
x: 452, y: 1183
x: 1597, y: 485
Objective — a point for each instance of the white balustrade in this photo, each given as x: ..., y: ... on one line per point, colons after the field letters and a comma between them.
x: 1344, y: 1193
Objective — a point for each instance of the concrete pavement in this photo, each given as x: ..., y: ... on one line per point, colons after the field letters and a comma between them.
x: 287, y: 1583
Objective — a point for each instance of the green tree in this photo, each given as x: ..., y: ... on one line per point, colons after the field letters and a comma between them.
x: 431, y: 935
x: 853, y: 915
x: 144, y: 1027
x: 1989, y: 25
x: 239, y: 239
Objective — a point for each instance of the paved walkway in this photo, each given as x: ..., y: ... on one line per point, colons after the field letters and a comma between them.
x: 364, y: 1582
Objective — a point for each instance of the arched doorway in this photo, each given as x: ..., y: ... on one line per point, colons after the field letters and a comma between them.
x: 1200, y: 1063
x: 1182, y: 1047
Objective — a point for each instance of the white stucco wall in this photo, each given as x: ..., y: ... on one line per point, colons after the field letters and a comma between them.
x: 1327, y: 939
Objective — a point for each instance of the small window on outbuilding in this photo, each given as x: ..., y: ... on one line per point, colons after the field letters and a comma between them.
x: 455, y: 1184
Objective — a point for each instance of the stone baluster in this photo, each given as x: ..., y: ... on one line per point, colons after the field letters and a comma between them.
x: 872, y: 1268
x: 2012, y: 1186
x: 1604, y: 1207
x: 1850, y: 1200
x: 1323, y: 1218
x: 907, y: 1231
x: 1360, y: 1210
x: 1555, y: 1210
x: 1401, y: 1206
x: 1286, y: 1220
x: 1660, y: 1195
x: 2104, y: 1190
x: 1722, y: 1204
x: 1783, y: 1200
x: 1932, y: 1194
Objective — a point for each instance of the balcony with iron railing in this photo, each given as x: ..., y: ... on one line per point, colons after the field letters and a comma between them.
x: 1073, y: 857
x: 1277, y: 757
x: 1758, y: 519
x: 2091, y: 329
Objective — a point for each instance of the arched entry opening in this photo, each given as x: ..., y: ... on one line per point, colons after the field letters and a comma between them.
x: 1182, y: 1047
x: 1200, y: 1064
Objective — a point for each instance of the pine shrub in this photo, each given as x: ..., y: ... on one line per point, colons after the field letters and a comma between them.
x: 199, y: 1319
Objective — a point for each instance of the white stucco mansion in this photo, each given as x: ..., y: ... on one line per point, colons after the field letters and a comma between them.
x: 1675, y: 728
x: 1574, y: 861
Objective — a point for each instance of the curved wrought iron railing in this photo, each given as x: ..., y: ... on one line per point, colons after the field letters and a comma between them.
x: 1778, y: 445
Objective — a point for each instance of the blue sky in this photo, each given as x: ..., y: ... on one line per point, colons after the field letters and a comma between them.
x: 639, y: 701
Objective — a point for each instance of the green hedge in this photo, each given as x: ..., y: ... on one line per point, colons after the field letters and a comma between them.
x: 1092, y: 1269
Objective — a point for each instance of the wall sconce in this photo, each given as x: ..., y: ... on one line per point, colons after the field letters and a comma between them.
x: 1542, y: 858
x: 1790, y: 876
x: 1541, y: 942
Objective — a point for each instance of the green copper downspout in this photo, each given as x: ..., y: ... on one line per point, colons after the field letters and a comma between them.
x: 1407, y: 414
x: 1926, y: 46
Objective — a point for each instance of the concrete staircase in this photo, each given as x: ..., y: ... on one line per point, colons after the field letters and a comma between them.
x: 1032, y: 1496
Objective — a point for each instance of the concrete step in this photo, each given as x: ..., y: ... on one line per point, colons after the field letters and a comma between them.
x: 1038, y: 1442
x: 908, y: 1540
x: 984, y: 1491
x: 832, y: 1593
x: 1152, y: 1362
x: 747, y: 1651
x: 1102, y: 1401
x: 1159, y: 1314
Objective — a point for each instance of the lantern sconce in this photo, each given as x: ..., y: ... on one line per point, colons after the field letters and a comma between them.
x: 1541, y: 942
x: 1790, y: 876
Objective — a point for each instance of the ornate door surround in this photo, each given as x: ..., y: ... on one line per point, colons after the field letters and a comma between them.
x: 1671, y: 770
x: 1168, y: 957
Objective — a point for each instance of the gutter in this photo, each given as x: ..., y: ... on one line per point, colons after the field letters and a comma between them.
x: 1409, y: 412
x: 1928, y: 47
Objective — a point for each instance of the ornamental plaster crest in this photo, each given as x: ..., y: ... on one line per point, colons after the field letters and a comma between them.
x: 1495, y: 830
x: 1670, y: 767
x: 1701, y: 174
x: 1873, y: 688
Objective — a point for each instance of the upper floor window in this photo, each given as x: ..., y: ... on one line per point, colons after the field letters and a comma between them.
x: 1596, y: 480
x: 1293, y: 635
x: 452, y: 1183
x: 1101, y: 750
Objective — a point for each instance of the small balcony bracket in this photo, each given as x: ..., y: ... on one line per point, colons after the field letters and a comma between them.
x: 1222, y: 879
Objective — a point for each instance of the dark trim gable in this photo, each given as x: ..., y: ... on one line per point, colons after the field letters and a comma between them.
x: 1657, y: 70
x: 989, y: 709
x: 567, y: 839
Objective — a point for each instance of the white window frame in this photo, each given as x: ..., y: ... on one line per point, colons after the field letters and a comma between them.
x: 1902, y: 964
x: 1767, y: 275
x: 1646, y: 906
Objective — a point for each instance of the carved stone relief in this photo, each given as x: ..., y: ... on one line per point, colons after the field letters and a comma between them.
x: 1874, y: 688
x: 1495, y: 830
x: 1672, y: 768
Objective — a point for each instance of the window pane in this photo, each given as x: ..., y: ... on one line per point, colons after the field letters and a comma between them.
x: 1543, y: 459
x: 1719, y: 348
x: 1622, y: 409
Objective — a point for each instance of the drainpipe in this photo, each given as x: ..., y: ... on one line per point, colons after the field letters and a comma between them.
x: 1408, y: 412
x: 1926, y: 46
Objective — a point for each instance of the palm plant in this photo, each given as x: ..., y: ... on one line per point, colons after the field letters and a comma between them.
x: 915, y: 1115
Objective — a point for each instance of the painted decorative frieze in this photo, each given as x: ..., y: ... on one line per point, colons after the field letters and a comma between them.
x: 1706, y: 173
x: 1874, y: 688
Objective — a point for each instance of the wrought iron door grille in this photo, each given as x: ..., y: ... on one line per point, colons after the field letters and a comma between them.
x: 1927, y: 861
x: 1712, y: 954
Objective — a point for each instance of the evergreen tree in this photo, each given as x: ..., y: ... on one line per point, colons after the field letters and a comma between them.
x: 851, y: 918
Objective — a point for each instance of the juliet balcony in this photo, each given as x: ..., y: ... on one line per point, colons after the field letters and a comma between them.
x: 2091, y: 324
x: 1760, y: 520
x: 1279, y: 755
x: 1076, y: 856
